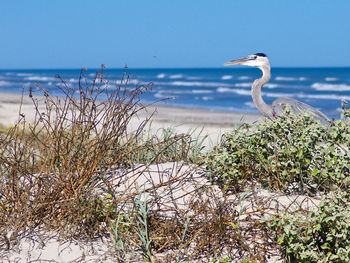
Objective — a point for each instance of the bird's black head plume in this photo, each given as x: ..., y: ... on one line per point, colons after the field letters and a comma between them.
x: 260, y: 54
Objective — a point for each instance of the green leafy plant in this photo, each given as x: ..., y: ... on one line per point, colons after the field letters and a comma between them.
x: 290, y: 153
x: 319, y: 236
x: 131, y: 230
x: 142, y: 213
x: 224, y: 260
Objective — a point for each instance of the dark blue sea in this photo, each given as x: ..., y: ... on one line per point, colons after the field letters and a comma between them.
x: 225, y: 89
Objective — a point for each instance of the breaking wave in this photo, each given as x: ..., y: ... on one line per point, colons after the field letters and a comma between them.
x: 290, y: 79
x: 24, y: 74
x: 330, y: 87
x: 202, y: 91
x: 244, y: 85
x: 237, y: 91
x: 226, y: 77
x: 324, y: 96
x: 176, y: 76
x: 38, y: 78
x: 330, y: 79
x: 207, y: 98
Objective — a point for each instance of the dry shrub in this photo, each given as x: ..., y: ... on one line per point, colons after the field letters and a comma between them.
x: 50, y: 167
x: 186, y: 219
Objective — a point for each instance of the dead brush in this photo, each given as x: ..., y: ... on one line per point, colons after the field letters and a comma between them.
x: 50, y: 167
x: 188, y: 220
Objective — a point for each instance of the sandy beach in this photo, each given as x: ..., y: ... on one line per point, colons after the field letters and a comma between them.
x: 183, y: 120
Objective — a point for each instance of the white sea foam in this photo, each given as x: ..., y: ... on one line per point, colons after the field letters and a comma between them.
x: 330, y: 87
x: 159, y: 95
x: 38, y: 78
x: 161, y: 76
x: 271, y: 85
x: 123, y: 82
x: 207, y: 98
x: 324, y: 96
x: 330, y: 79
x: 202, y: 91
x: 224, y: 90
x: 24, y: 74
x: 277, y: 95
x: 286, y: 79
x: 243, y: 78
x: 244, y: 84
x: 226, y: 77
x: 176, y: 76
x: 237, y: 91
x: 243, y: 92
x: 290, y: 78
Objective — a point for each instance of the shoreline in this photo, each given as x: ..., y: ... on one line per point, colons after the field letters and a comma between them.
x: 202, y: 121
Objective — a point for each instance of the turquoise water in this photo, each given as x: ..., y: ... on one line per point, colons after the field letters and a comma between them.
x: 226, y: 89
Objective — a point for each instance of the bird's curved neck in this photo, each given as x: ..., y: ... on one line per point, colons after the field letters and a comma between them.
x: 264, y: 108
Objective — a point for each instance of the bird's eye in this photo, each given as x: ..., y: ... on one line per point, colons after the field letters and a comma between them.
x: 255, y: 56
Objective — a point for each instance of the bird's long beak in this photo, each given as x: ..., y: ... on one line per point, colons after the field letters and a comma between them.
x: 236, y: 61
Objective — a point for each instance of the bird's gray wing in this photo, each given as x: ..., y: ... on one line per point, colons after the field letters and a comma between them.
x: 298, y: 108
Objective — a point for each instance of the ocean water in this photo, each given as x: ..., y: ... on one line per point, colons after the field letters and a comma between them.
x: 225, y: 89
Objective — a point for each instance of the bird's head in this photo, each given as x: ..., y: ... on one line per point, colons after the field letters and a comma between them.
x: 258, y: 60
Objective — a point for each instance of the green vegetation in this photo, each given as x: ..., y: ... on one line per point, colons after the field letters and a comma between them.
x: 319, y: 236
x: 291, y: 153
x: 294, y: 154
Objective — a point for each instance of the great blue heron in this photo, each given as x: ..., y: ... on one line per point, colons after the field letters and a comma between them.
x: 260, y: 60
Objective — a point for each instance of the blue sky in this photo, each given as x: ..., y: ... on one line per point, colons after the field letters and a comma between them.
x: 181, y: 33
